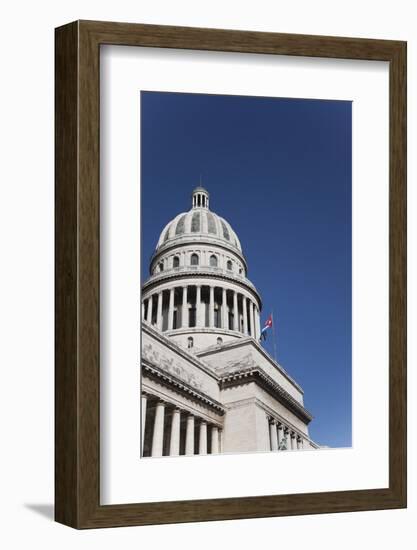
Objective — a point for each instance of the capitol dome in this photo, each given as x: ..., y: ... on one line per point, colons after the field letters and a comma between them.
x: 199, y: 222
x: 198, y: 292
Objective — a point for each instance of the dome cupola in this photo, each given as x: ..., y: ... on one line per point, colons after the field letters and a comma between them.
x: 200, y: 198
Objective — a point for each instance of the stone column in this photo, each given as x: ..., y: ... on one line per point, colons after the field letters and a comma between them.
x: 171, y: 309
x: 159, y: 312
x: 280, y: 434
x: 235, y: 312
x: 245, y: 316
x: 292, y: 441
x: 198, y: 309
x: 253, y: 317
x: 220, y: 441
x: 257, y: 323
x: 158, y: 430
x: 224, y: 310
x: 299, y: 445
x: 143, y: 417
x: 214, y: 440
x: 273, y: 435
x: 189, y: 436
x: 174, y: 446
x: 184, y: 310
x: 289, y: 441
x: 202, y: 449
x: 149, y: 312
x: 211, y: 307
x: 287, y: 438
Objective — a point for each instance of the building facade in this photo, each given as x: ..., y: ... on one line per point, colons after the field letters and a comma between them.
x: 207, y: 384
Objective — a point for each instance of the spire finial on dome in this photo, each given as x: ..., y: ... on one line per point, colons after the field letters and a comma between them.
x: 200, y: 197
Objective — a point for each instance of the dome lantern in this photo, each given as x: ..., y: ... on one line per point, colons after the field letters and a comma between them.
x: 200, y: 198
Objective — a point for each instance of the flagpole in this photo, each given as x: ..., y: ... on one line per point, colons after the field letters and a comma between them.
x: 273, y: 336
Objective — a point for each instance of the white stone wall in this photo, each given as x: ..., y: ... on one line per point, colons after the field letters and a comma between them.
x: 247, y: 422
x: 202, y: 338
x: 248, y: 353
x: 240, y: 430
x: 246, y: 427
x: 242, y: 395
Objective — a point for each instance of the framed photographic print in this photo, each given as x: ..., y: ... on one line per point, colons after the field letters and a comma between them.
x: 230, y: 274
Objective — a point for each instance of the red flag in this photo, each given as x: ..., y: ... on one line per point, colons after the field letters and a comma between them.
x: 268, y: 324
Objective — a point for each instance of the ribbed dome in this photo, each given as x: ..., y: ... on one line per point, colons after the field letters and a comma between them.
x: 199, y: 222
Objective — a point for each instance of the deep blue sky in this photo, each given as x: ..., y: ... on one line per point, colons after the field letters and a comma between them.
x: 279, y: 170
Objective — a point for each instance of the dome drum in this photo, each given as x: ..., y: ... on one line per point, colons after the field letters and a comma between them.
x: 198, y: 255
x: 206, y: 306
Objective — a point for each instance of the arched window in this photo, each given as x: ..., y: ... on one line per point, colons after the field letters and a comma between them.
x: 229, y: 265
x: 176, y: 261
x: 194, y: 259
x: 190, y: 342
x: 213, y: 261
x: 161, y: 266
x: 219, y: 341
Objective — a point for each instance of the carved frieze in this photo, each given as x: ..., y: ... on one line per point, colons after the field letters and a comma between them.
x: 172, y: 366
x: 242, y: 362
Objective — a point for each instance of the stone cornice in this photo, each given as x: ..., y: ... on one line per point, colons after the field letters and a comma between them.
x: 177, y: 401
x: 169, y: 343
x: 243, y: 342
x: 256, y: 374
x: 170, y: 380
x: 177, y: 275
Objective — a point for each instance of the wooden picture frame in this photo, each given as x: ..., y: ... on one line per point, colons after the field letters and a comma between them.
x: 77, y: 382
